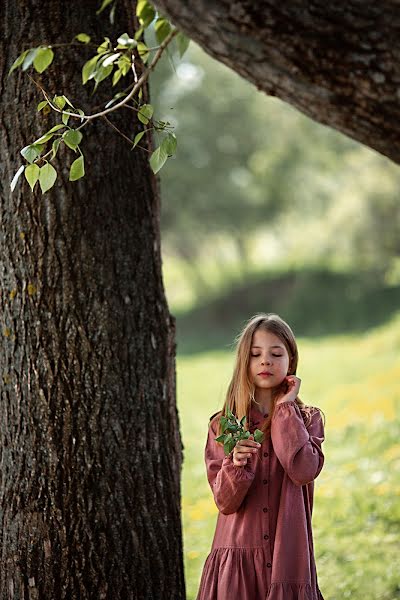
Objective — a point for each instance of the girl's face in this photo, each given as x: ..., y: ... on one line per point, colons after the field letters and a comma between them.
x: 269, y: 360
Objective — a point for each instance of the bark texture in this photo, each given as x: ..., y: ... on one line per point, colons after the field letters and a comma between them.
x: 90, y: 451
x: 338, y: 62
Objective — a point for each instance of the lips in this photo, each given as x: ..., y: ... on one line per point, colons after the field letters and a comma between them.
x: 265, y: 373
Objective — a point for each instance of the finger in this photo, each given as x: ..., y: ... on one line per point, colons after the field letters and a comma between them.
x: 246, y: 452
x: 249, y: 443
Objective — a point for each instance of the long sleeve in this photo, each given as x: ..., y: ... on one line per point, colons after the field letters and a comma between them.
x: 229, y: 484
x: 298, y: 448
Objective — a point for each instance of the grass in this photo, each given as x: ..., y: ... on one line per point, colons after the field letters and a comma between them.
x: 356, y: 519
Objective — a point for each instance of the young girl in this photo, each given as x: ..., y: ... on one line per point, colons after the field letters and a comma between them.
x: 263, y: 542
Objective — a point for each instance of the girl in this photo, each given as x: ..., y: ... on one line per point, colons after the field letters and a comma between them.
x: 263, y: 543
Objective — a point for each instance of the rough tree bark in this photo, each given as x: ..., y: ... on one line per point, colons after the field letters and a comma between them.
x: 339, y: 63
x: 90, y: 451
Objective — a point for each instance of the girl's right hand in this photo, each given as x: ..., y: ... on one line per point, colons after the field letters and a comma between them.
x: 243, y: 450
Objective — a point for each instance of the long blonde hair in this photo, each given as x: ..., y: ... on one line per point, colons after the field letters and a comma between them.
x: 241, y: 390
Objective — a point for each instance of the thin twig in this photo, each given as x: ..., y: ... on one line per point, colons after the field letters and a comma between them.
x: 123, y: 135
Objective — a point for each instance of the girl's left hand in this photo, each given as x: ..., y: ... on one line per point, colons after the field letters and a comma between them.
x: 293, y: 386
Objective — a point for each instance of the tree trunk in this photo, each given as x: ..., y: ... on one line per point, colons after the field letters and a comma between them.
x: 339, y: 63
x: 89, y: 433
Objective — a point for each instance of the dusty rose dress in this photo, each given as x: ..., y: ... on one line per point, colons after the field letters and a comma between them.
x: 263, y: 543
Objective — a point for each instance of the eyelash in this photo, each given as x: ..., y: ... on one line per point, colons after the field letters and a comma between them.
x: 276, y: 355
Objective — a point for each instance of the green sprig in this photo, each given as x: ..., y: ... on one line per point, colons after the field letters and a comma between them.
x: 233, y: 431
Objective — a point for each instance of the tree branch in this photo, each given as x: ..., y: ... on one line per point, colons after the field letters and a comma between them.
x: 339, y: 63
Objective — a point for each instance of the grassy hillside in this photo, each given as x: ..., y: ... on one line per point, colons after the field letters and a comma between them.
x: 354, y: 379
x: 315, y: 301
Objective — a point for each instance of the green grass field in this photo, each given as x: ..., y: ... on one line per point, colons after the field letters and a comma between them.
x: 356, y: 518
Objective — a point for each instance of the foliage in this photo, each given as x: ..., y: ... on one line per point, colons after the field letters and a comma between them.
x: 233, y: 431
x: 112, y: 61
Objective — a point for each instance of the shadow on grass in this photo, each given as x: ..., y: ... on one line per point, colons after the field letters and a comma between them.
x: 314, y: 302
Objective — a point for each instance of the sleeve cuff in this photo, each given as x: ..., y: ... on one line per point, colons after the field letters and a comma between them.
x: 240, y: 472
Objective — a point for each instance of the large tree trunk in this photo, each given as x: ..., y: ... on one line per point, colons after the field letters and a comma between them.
x: 337, y: 62
x: 89, y: 436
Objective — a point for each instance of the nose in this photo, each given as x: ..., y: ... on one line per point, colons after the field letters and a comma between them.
x: 265, y: 361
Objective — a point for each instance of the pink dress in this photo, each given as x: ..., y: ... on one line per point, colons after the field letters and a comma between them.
x: 263, y: 542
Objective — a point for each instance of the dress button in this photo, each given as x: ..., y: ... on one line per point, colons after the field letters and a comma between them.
x: 265, y: 509
x: 265, y: 480
x: 269, y: 565
x: 265, y: 453
x: 266, y: 537
x: 266, y: 415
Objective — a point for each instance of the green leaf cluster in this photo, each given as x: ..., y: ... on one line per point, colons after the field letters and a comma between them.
x: 108, y: 61
x: 233, y: 431
x: 41, y: 58
x: 39, y: 168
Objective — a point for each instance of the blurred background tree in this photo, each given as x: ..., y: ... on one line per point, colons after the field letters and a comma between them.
x: 258, y: 188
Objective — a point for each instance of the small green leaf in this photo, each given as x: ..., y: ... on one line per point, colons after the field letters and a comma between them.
x: 83, y: 37
x: 29, y: 58
x: 116, y: 97
x: 47, y: 177
x: 230, y: 414
x: 157, y: 159
x: 102, y: 73
x: 137, y: 139
x: 18, y: 61
x: 68, y: 102
x: 44, y: 138
x: 126, y: 41
x: 124, y: 64
x: 89, y: 68
x: 243, y: 421
x: 183, y: 42
x: 145, y: 113
x: 112, y: 13
x: 224, y: 423
x: 139, y: 33
x: 169, y: 146
x: 104, y: 5
x: 258, y: 436
x: 31, y: 152
x: 16, y: 177
x: 116, y: 77
x: 80, y: 112
x: 162, y: 28
x: 65, y: 118
x: 143, y: 51
x: 55, y: 146
x: 220, y: 438
x: 56, y: 128
x: 145, y: 13
x: 32, y: 175
x: 43, y: 59
x: 77, y: 169
x: 42, y: 105
x: 105, y: 46
x: 111, y: 59
x: 72, y: 138
x: 59, y: 101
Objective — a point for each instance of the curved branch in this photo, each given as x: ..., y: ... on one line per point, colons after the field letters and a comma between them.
x: 339, y: 63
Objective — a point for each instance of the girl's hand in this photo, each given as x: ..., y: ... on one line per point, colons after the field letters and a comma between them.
x: 243, y: 450
x: 293, y: 386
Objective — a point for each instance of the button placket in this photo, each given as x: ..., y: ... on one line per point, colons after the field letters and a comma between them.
x: 265, y: 471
